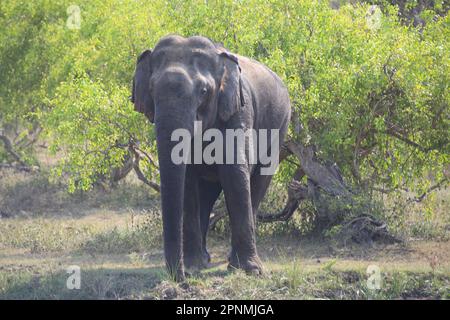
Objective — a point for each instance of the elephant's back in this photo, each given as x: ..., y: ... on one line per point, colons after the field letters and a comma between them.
x: 269, y: 94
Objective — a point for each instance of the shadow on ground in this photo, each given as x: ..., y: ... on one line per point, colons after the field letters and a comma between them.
x: 94, y: 284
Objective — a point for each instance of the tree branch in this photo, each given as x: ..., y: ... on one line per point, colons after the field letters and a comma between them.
x: 395, y: 134
x: 326, y: 177
x: 10, y: 149
x: 141, y: 176
x: 19, y: 167
x: 429, y: 190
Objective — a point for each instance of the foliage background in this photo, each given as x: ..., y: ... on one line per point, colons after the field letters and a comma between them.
x: 370, y: 86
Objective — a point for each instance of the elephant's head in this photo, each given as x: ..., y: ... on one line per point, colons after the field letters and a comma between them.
x: 183, y: 80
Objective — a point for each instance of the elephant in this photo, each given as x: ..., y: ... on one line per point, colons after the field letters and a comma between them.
x: 184, y: 80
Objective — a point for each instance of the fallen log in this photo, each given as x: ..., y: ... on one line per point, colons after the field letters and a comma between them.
x: 327, y: 177
x: 320, y: 177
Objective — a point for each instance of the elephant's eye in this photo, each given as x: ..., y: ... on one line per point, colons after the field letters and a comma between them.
x: 204, y: 91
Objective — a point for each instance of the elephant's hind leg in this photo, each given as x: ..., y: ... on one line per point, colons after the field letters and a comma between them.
x: 209, y: 192
x: 192, y: 235
x: 258, y: 186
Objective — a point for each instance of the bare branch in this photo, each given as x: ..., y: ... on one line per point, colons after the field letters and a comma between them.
x: 429, y: 190
x: 395, y: 134
x: 296, y: 193
x: 141, y: 176
x: 10, y: 149
x: 149, y: 158
x: 19, y: 167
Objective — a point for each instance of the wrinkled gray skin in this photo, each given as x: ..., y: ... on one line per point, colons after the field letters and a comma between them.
x: 188, y: 79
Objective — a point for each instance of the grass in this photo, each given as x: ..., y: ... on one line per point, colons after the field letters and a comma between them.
x: 118, y: 250
x: 23, y: 194
x: 138, y: 277
x: 428, y: 219
x: 120, y: 259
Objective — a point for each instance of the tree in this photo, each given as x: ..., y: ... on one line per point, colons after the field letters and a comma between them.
x: 370, y: 94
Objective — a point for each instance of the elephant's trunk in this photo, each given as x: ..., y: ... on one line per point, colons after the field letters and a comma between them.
x: 172, y: 196
x: 173, y: 110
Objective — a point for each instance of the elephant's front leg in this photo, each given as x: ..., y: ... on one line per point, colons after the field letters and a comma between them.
x: 193, y: 256
x: 235, y: 181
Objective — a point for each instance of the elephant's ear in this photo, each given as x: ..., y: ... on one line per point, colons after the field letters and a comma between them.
x: 230, y: 90
x: 143, y: 101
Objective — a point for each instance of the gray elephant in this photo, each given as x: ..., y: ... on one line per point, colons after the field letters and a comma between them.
x: 184, y: 80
